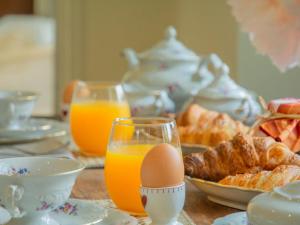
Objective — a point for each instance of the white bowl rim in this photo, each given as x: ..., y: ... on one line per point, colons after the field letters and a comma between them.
x: 80, y: 166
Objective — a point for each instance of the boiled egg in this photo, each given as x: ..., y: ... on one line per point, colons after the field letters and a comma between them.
x: 162, y: 167
x: 68, y: 92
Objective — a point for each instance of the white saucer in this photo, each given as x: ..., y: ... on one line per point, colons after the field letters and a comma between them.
x: 115, y: 217
x: 4, y: 216
x: 86, y: 212
x: 239, y: 218
x: 79, y: 212
x: 36, y: 129
x: 30, y: 125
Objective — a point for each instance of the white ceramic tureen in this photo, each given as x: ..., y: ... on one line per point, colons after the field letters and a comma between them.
x: 169, y: 67
x: 224, y: 95
x: 280, y: 207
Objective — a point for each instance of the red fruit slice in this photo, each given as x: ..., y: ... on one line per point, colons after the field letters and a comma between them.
x: 270, y: 128
x: 285, y: 105
x: 290, y: 131
x: 284, y: 130
x: 296, y: 146
x: 291, y: 140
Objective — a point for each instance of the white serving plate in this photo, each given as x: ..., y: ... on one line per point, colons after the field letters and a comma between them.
x: 234, y: 197
x: 193, y: 148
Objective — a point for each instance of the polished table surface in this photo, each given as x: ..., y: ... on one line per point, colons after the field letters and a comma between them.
x: 90, y: 185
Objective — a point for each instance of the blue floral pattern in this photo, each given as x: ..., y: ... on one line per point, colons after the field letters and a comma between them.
x: 10, y: 171
x: 68, y: 209
x: 21, y: 171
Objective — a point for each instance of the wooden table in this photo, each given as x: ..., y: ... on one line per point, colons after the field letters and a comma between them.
x: 90, y: 185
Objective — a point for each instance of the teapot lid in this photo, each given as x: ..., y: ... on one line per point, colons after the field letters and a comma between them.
x: 169, y: 49
x: 222, y: 86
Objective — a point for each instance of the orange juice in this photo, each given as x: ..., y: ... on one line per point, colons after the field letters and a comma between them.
x: 122, y: 176
x: 91, y: 124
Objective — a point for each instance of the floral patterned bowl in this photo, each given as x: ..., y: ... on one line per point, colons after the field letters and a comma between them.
x: 30, y: 187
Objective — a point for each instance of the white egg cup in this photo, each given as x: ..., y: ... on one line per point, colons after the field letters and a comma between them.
x: 30, y: 187
x: 163, y: 205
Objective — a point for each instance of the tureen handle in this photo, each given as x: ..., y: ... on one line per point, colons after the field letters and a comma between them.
x: 14, y: 194
x: 211, y: 66
x: 131, y: 57
x: 219, y: 67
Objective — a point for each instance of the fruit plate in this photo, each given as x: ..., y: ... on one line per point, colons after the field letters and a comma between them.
x: 234, y: 197
x: 193, y: 148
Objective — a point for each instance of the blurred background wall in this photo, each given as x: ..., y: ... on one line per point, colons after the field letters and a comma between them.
x: 27, y: 46
x: 92, y: 33
x: 257, y: 72
x: 90, y: 36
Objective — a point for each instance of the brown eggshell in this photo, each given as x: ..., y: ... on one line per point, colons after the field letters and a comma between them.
x: 68, y: 92
x: 70, y: 88
x: 162, y: 167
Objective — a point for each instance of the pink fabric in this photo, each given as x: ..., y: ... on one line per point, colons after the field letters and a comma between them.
x: 273, y: 26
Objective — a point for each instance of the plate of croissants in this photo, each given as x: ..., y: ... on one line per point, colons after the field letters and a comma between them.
x: 235, y: 171
x: 200, y: 129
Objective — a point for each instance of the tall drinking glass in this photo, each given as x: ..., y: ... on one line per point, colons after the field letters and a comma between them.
x: 130, y: 140
x: 94, y: 107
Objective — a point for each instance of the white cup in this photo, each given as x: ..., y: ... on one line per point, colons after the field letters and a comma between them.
x: 30, y: 187
x: 15, y: 108
x: 163, y: 205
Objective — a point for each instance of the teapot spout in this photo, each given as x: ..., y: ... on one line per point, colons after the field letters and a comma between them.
x: 131, y: 57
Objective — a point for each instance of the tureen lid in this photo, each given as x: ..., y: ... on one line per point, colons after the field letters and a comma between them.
x: 169, y: 49
x: 222, y: 86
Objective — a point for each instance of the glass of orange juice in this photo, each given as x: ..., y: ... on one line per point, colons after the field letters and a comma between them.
x: 130, y: 140
x: 94, y: 107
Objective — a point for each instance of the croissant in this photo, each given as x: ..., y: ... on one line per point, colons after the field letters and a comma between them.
x: 243, y: 154
x: 200, y: 126
x: 265, y: 180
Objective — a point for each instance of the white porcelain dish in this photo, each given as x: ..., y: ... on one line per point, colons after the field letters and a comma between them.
x: 36, y: 129
x: 78, y: 212
x: 224, y: 95
x: 193, y: 148
x: 83, y: 212
x: 115, y: 216
x: 233, y: 197
x: 30, y: 125
x: 4, y: 216
x: 281, y: 206
x: 30, y: 187
x: 15, y: 108
x: 239, y: 218
x: 169, y: 66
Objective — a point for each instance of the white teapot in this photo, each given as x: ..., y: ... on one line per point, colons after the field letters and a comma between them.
x: 168, y: 66
x: 224, y: 95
